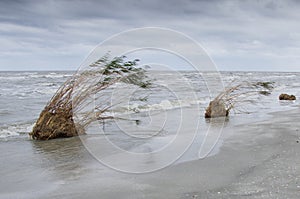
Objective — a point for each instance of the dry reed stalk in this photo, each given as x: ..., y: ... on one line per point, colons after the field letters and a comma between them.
x: 56, y: 120
x: 221, y: 105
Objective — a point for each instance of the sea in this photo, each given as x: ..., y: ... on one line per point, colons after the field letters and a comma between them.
x: 24, y: 94
x: 171, y: 112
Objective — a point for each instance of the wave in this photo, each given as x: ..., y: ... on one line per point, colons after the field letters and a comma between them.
x: 15, y: 130
x: 12, y: 77
x: 162, y: 106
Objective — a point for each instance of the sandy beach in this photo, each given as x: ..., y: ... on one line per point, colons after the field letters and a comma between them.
x: 256, y: 160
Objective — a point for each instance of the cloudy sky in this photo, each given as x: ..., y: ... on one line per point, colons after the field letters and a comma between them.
x: 237, y: 35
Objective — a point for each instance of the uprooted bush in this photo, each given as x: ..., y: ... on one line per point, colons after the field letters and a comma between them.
x: 221, y: 105
x: 56, y: 120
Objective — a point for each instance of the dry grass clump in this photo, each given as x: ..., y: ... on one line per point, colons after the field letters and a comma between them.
x: 56, y: 120
x: 233, y: 95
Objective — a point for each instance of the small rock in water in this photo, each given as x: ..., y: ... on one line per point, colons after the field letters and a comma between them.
x: 287, y: 97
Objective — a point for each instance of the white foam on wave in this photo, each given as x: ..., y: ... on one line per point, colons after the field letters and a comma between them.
x: 33, y: 93
x: 12, y: 78
x: 15, y: 130
x: 51, y: 75
x: 30, y: 75
x: 231, y: 78
x: 162, y: 106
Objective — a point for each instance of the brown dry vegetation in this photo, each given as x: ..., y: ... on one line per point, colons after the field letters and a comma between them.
x: 56, y: 120
x: 221, y: 105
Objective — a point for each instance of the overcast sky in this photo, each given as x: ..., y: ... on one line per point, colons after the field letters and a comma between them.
x: 238, y: 35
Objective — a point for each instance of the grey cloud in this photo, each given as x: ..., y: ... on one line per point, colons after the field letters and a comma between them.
x: 253, y: 29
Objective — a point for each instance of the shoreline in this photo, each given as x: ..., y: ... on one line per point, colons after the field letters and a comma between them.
x: 256, y: 160
x: 260, y: 161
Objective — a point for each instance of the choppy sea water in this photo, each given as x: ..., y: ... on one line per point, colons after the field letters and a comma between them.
x: 24, y: 94
x: 44, y: 166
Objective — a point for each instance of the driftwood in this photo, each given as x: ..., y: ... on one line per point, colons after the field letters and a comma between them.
x: 56, y: 120
x: 221, y: 105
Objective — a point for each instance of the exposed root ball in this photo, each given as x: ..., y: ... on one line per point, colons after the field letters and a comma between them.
x: 54, y: 125
x: 216, y: 108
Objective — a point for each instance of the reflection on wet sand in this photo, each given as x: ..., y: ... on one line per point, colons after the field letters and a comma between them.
x: 64, y: 157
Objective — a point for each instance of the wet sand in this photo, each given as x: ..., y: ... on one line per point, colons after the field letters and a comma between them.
x: 256, y: 160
